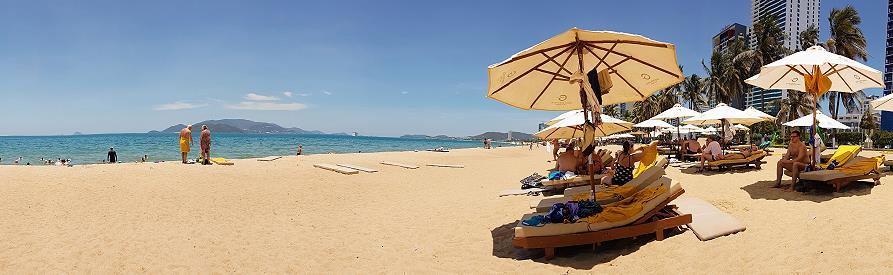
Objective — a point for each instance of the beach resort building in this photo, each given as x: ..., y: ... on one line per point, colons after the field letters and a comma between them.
x: 721, y: 41
x: 887, y: 117
x: 853, y: 119
x: 793, y: 17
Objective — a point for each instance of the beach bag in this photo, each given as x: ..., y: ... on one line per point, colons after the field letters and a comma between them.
x: 557, y: 213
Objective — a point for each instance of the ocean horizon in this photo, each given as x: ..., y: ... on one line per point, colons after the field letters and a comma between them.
x: 130, y: 147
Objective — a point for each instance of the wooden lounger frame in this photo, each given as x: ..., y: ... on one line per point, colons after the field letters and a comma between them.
x: 334, y: 168
x: 843, y: 182
x: 407, y: 166
x: 580, y: 180
x: 666, y: 218
x: 757, y: 163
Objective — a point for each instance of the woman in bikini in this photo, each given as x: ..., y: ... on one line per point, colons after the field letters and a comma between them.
x: 622, y: 172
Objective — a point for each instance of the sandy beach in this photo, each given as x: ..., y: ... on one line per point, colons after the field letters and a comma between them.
x: 286, y: 216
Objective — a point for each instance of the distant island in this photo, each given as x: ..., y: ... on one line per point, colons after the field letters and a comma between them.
x: 498, y: 136
x: 241, y: 126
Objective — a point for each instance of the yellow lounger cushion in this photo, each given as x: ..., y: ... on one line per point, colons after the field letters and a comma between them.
x: 579, y: 227
x: 856, y: 166
x: 842, y: 155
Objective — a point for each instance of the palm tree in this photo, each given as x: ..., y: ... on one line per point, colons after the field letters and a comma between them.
x: 769, y: 47
x: 809, y: 37
x: 692, y: 87
x: 611, y: 110
x: 846, y: 40
x: 869, y: 121
x: 795, y: 105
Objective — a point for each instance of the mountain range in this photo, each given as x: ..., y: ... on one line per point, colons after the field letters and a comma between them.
x: 240, y: 126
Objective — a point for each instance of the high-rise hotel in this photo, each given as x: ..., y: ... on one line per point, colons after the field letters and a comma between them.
x: 793, y: 17
x: 887, y: 117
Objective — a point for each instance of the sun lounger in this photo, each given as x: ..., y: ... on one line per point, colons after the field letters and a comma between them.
x: 755, y: 159
x: 270, y: 158
x: 655, y: 216
x: 446, y: 165
x: 639, y: 182
x: 407, y: 166
x: 579, y: 180
x: 357, y: 167
x: 518, y: 192
x: 342, y: 170
x: 856, y: 169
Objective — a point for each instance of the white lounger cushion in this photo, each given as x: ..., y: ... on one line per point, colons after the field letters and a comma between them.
x: 570, y: 228
x: 708, y: 222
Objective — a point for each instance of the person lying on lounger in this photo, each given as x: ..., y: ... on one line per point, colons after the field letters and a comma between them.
x: 713, y: 152
x: 795, y: 160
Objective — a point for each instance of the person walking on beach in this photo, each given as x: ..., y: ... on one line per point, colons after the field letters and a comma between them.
x: 300, y: 149
x: 205, y: 143
x: 186, y: 141
x: 112, y: 156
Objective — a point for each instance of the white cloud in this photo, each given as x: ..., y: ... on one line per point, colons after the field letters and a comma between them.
x: 305, y: 94
x: 179, y: 105
x: 288, y: 94
x: 266, y: 106
x: 257, y: 97
x: 404, y: 93
x: 327, y: 93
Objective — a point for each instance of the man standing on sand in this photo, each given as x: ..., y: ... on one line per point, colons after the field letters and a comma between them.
x: 300, y: 149
x: 795, y: 160
x: 186, y: 141
x: 205, y: 143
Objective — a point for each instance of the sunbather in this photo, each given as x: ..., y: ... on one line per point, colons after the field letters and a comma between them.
x: 713, y: 152
x: 691, y: 147
x: 622, y: 172
x: 794, y: 160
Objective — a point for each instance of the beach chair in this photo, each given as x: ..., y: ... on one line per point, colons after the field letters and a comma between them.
x: 578, y: 180
x: 755, y: 159
x: 648, y: 211
x: 856, y: 169
x: 696, y: 156
x: 649, y: 174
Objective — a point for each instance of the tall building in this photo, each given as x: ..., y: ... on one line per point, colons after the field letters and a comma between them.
x: 793, y: 17
x: 887, y: 117
x: 729, y: 33
x: 854, y: 119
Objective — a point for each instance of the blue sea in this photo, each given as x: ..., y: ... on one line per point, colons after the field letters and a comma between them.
x: 83, y: 149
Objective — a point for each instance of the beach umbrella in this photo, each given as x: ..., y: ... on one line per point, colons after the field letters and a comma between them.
x: 720, y: 113
x: 741, y: 127
x: 692, y: 128
x: 710, y: 129
x: 676, y: 112
x: 653, y: 124
x: 563, y: 116
x: 816, y: 71
x: 550, y: 75
x: 571, y: 127
x: 883, y: 104
x: 823, y: 121
x: 581, y: 69
x: 757, y: 113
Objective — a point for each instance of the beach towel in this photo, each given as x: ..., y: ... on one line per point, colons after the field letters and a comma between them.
x: 842, y: 155
x: 626, y: 208
x: 862, y: 166
x: 648, y: 160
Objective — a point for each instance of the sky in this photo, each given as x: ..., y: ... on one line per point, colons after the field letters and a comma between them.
x: 382, y: 68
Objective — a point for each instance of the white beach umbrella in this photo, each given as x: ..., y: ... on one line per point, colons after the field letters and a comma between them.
x: 563, y: 116
x: 757, y: 113
x: 723, y: 112
x: 653, y: 124
x: 741, y: 127
x: 710, y: 129
x: 677, y: 111
x: 692, y: 128
x: 616, y: 136
x: 816, y: 71
x: 824, y: 122
x: 883, y: 104
x: 547, y: 76
x: 571, y: 127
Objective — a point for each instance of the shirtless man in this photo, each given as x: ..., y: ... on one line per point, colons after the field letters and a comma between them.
x: 186, y: 141
x: 794, y: 160
x: 204, y: 142
x: 713, y: 152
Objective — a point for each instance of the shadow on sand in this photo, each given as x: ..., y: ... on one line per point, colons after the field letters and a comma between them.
x: 733, y: 170
x: 818, y: 192
x: 577, y: 257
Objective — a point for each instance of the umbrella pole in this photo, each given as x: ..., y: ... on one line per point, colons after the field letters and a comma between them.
x: 586, y: 111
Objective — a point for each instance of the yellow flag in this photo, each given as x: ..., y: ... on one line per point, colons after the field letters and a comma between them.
x: 817, y: 82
